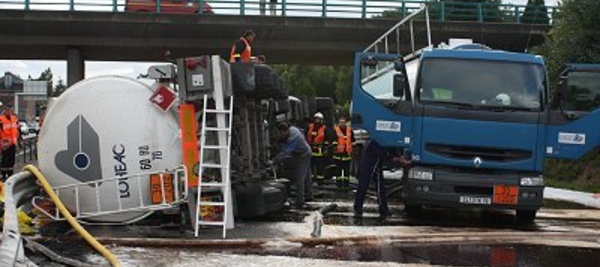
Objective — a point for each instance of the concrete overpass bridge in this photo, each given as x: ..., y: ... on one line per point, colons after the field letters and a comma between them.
x: 125, y: 36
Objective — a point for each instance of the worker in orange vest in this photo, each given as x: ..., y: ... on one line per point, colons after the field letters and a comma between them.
x: 9, y: 133
x: 241, y: 51
x: 316, y: 136
x: 342, y: 153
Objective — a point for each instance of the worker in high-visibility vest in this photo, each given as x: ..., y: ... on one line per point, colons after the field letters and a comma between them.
x: 342, y: 153
x: 316, y: 136
x: 241, y: 51
x: 9, y: 134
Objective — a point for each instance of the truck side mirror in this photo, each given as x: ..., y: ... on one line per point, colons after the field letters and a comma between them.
x: 399, y: 65
x: 563, y: 85
x: 399, y: 85
x: 563, y: 89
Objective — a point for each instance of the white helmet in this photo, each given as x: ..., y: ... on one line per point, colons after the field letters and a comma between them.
x: 503, y: 99
x: 318, y: 115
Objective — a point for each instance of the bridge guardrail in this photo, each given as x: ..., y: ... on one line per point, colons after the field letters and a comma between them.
x: 366, y: 9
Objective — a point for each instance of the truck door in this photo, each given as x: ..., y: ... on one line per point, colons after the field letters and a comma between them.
x: 574, y: 119
x: 381, y: 99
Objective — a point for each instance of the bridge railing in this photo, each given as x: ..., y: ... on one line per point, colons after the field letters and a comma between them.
x: 397, y: 9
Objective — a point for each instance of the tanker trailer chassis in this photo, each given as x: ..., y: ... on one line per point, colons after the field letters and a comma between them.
x: 108, y: 176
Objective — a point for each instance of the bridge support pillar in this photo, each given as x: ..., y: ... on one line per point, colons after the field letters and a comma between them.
x: 75, y: 66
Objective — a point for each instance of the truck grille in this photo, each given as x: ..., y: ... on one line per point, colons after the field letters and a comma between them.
x: 486, y: 154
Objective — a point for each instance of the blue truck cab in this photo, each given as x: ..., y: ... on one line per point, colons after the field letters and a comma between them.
x: 479, y: 123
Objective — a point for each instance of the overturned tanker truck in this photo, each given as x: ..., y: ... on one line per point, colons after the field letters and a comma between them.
x: 116, y: 150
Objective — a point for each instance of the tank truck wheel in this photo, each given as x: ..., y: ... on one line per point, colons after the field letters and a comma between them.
x: 263, y: 77
x: 274, y: 198
x: 526, y: 216
x: 412, y: 210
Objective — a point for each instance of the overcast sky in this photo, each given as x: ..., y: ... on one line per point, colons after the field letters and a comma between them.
x: 34, y: 68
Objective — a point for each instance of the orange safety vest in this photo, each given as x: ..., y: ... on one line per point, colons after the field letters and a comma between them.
x: 344, y: 143
x: 246, y: 54
x: 10, y: 130
x: 316, y: 138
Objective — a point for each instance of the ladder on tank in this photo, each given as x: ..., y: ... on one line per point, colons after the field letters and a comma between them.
x: 390, y: 41
x: 223, y: 117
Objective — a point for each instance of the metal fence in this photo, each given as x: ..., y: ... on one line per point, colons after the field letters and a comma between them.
x: 440, y: 11
x: 27, y: 150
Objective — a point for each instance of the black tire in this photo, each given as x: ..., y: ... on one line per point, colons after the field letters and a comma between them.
x: 263, y: 77
x: 412, y: 210
x: 268, y: 84
x: 273, y: 198
x: 295, y: 109
x: 248, y: 201
x: 243, y: 78
x: 526, y: 216
x: 284, y: 93
x: 276, y: 91
x: 310, y: 106
x: 282, y: 106
x: 279, y: 185
x: 324, y: 103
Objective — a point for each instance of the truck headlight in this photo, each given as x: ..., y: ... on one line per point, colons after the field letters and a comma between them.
x: 420, y: 174
x: 532, y: 181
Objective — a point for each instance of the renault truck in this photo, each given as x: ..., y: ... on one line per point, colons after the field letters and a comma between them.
x: 478, y: 123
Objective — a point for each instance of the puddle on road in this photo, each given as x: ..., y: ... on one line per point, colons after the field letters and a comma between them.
x: 433, y: 218
x: 449, y: 255
x: 374, y: 255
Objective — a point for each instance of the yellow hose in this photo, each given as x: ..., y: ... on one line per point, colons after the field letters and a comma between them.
x: 112, y: 259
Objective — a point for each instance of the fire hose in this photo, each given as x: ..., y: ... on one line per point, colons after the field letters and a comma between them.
x: 111, y: 258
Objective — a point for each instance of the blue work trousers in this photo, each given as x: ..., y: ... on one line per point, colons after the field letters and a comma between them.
x: 370, y: 168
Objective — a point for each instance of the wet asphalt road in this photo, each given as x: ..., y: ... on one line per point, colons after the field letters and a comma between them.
x: 563, y: 235
x: 559, y: 237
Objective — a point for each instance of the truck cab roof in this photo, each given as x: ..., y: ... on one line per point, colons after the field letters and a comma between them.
x: 584, y: 67
x: 483, y: 54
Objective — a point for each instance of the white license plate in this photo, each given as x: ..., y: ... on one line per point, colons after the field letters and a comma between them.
x: 475, y: 200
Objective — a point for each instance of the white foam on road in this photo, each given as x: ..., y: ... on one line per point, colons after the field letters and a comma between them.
x: 583, y: 198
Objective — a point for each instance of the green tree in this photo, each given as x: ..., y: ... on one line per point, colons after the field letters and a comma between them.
x: 46, y: 75
x: 343, y: 85
x: 390, y: 14
x: 60, y: 88
x: 536, y: 12
x: 575, y: 36
x: 468, y: 10
x: 456, y: 10
x: 324, y: 81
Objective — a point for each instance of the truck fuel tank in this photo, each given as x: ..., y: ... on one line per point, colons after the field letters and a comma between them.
x: 101, y: 128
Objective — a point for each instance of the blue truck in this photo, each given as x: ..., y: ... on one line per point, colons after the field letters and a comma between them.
x: 478, y: 123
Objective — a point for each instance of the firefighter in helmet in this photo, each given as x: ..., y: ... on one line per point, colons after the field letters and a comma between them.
x: 316, y: 138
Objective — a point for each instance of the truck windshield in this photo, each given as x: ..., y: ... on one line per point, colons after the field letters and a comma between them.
x: 481, y: 84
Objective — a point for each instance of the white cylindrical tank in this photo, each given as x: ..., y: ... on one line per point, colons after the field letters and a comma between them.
x: 106, y: 127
